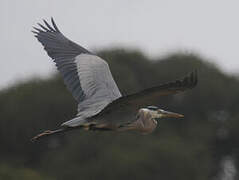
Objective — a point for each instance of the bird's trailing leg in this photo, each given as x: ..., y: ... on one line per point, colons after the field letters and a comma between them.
x: 47, y: 133
x: 86, y: 126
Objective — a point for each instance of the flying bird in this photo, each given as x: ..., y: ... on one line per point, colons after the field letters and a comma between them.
x: 100, y: 104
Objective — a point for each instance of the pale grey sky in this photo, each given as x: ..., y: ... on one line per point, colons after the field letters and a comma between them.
x: 207, y: 27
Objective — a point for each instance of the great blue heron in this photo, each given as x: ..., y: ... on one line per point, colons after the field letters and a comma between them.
x: 89, y: 79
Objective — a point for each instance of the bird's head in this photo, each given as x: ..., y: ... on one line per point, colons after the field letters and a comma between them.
x: 158, y: 113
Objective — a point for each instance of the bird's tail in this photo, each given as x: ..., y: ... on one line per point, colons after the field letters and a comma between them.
x: 48, y: 133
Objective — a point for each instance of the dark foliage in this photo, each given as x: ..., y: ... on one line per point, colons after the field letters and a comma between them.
x: 192, y: 148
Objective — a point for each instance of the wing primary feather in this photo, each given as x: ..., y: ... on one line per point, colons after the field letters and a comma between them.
x: 46, y: 23
x: 54, y: 25
x: 43, y: 27
x: 40, y: 30
x: 34, y: 32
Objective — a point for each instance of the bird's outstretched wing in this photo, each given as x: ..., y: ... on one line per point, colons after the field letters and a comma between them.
x: 144, y: 98
x: 86, y: 75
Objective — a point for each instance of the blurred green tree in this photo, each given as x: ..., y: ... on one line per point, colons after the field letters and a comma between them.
x: 192, y: 148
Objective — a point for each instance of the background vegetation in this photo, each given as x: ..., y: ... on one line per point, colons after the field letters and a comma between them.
x: 203, y: 145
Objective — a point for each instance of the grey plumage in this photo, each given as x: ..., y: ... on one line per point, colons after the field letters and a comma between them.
x: 86, y: 75
x: 63, y: 52
x: 90, y: 81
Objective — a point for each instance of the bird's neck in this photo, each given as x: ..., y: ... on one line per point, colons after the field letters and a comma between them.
x: 145, y: 122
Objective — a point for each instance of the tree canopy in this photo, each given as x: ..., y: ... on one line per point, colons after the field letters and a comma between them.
x: 191, y: 148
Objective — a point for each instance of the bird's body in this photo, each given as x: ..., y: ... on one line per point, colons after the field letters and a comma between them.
x: 100, y: 103
x: 144, y: 122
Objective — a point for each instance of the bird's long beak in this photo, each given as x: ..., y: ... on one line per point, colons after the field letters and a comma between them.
x: 171, y: 114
